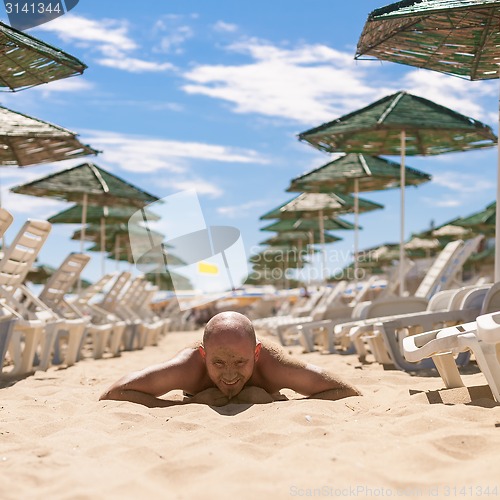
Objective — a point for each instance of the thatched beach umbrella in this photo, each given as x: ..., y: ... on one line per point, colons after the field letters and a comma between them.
x: 102, y: 215
x: 355, y: 172
x: 401, y: 124
x: 26, y: 61
x: 87, y: 184
x: 459, y: 38
x: 25, y: 140
x: 320, y: 205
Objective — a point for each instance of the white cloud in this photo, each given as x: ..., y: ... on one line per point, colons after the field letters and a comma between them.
x: 242, y: 210
x: 110, y: 37
x: 67, y: 85
x: 308, y: 84
x: 201, y: 187
x: 176, y: 37
x: 223, y: 27
x: 311, y: 84
x: 462, y: 183
x: 112, y: 34
x: 127, y: 152
x: 444, y: 202
x: 135, y: 65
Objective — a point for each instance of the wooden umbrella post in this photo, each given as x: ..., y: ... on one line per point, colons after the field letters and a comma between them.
x: 356, y: 226
x: 402, y: 221
x: 497, y: 215
x: 103, y: 247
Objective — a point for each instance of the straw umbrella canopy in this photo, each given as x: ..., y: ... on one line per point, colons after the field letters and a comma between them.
x: 26, y: 61
x: 355, y: 172
x: 293, y: 237
x: 105, y: 216
x: 308, y: 225
x: 25, y: 140
x: 320, y: 205
x: 299, y: 239
x: 458, y: 38
x: 87, y: 184
x: 483, y: 221
x: 401, y: 124
x: 426, y: 244
x: 274, y: 260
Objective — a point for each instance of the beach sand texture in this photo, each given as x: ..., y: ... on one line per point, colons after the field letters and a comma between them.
x: 58, y: 441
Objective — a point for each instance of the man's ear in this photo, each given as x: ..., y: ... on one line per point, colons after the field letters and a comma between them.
x: 202, y: 352
x: 258, y: 347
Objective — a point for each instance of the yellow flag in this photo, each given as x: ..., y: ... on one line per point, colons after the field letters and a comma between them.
x: 207, y: 268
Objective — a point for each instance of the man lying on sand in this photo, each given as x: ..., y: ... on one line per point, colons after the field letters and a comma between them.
x: 230, y: 366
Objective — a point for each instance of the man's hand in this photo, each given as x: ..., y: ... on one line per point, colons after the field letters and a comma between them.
x: 252, y: 395
x: 212, y: 397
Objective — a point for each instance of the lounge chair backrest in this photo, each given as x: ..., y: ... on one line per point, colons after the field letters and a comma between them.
x: 21, y: 254
x: 394, y: 275
x: 475, y: 299
x: 5, y: 221
x: 110, y: 300
x: 90, y: 292
x: 492, y: 300
x: 455, y: 266
x: 61, y: 282
x: 395, y: 305
x: 429, y: 285
x: 441, y: 301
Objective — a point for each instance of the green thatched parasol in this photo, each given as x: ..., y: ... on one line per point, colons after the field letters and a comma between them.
x: 459, y: 38
x: 26, y: 61
x: 25, y: 140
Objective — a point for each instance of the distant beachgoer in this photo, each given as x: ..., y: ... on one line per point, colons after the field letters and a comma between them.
x: 229, y: 366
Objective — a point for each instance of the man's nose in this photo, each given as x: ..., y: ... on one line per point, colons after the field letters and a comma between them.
x: 230, y: 372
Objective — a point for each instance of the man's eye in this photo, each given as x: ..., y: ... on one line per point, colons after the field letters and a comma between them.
x: 240, y: 363
x: 219, y: 364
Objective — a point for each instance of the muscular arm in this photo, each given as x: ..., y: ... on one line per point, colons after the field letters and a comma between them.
x: 309, y: 380
x: 144, y: 387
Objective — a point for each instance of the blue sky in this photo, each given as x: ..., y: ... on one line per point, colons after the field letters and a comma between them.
x: 211, y: 96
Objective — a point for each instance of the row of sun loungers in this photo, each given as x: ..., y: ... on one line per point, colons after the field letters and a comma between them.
x: 56, y: 328
x: 436, y: 328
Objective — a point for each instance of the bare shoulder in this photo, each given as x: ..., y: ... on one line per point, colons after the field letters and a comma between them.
x: 273, y: 354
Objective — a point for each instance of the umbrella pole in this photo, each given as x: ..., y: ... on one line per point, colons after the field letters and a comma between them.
x: 322, y: 242
x: 402, y: 234
x: 356, y: 213
x: 117, y: 250
x: 103, y: 240
x: 84, y: 221
x: 82, y: 235
x: 299, y: 257
x: 497, y: 215
x: 311, y: 253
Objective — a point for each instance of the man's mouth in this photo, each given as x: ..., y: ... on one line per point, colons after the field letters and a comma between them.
x: 233, y: 382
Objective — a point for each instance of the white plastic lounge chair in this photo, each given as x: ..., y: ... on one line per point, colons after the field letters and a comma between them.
x: 6, y: 220
x: 302, y: 308
x: 480, y: 336
x: 440, y: 276
x: 107, y: 328
x: 36, y: 324
x: 54, y: 296
x: 387, y: 337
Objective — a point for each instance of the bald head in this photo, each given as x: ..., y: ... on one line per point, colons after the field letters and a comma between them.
x: 229, y: 324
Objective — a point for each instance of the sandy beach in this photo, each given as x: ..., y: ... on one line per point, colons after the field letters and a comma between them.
x: 59, y: 441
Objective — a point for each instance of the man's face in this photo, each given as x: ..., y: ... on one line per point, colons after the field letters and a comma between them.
x: 230, y: 362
